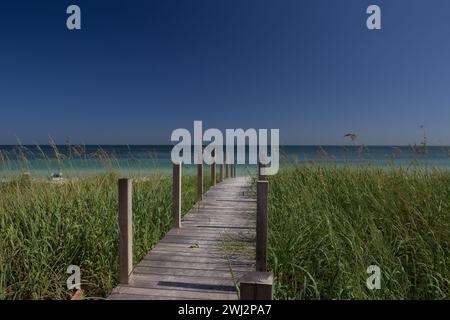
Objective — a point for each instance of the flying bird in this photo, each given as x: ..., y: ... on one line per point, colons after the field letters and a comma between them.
x: 352, y: 136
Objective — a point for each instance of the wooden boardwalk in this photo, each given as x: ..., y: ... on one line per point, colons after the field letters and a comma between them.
x: 206, y: 257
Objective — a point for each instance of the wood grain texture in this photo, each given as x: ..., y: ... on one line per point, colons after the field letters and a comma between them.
x: 125, y: 230
x: 256, y: 286
x: 213, y: 168
x: 176, y: 195
x: 200, y: 181
x: 261, y: 225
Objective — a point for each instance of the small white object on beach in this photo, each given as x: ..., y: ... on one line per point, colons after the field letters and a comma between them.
x: 57, y: 176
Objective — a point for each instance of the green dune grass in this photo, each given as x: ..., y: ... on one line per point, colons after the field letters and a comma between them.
x: 327, y: 225
x: 45, y: 227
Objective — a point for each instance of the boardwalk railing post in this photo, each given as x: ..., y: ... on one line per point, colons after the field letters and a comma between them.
x: 213, y: 167
x: 125, y: 230
x: 261, y: 225
x: 227, y: 169
x: 200, y: 181
x: 221, y: 173
x: 176, y: 195
x: 261, y: 176
x: 256, y: 286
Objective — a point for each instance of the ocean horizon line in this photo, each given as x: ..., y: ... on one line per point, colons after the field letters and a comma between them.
x: 171, y: 145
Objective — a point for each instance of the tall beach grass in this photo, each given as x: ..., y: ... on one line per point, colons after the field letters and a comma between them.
x: 328, y: 224
x: 46, y: 226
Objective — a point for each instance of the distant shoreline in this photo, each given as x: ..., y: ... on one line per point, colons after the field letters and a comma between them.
x: 141, y: 160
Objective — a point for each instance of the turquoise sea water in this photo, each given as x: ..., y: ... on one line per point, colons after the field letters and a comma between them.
x: 144, y: 160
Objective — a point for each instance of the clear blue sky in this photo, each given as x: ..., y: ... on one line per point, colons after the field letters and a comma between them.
x: 139, y: 69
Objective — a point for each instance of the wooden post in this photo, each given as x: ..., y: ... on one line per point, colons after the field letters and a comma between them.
x: 261, y: 225
x: 221, y: 173
x: 256, y: 286
x: 125, y: 230
x: 261, y: 176
x: 176, y: 195
x: 227, y: 169
x: 200, y: 181
x: 213, y: 167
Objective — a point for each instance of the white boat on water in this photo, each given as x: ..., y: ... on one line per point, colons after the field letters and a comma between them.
x: 56, y: 176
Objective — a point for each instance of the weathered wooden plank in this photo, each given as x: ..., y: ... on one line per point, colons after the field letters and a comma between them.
x: 122, y: 296
x: 211, y: 233
x: 197, y: 235
x: 180, y: 254
x: 219, y: 266
x: 185, y: 272
x: 200, y: 224
x: 187, y: 248
x: 222, y: 210
x: 217, y: 223
x: 192, y: 241
x: 181, y: 294
x: 207, y: 259
x: 143, y: 282
x: 198, y: 238
x: 163, y: 279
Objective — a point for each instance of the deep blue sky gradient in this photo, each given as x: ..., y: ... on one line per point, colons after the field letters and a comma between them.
x: 139, y: 69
